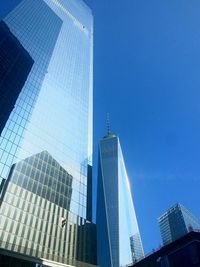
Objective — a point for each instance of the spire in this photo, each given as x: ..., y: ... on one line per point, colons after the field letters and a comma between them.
x: 108, y: 124
x: 109, y: 133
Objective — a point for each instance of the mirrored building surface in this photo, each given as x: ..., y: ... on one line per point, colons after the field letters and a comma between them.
x: 49, y: 125
x: 118, y: 237
x: 54, y: 109
x: 35, y: 215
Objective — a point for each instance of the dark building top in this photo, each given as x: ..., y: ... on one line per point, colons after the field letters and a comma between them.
x: 184, y: 252
x: 15, y: 65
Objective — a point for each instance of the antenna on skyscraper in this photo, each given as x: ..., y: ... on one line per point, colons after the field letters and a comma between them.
x: 108, y: 124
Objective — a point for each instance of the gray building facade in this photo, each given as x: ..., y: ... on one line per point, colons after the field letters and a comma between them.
x: 176, y: 222
x: 46, y: 139
x: 118, y: 238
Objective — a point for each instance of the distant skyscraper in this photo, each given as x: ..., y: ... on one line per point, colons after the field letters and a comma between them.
x: 118, y: 237
x: 176, y: 222
x: 46, y: 111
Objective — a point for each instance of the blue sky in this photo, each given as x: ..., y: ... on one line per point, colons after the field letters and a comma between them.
x: 147, y: 76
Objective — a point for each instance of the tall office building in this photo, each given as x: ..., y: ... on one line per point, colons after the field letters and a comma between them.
x: 118, y: 237
x: 46, y: 135
x: 176, y: 222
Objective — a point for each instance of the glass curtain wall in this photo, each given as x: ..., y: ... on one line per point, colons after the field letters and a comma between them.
x: 50, y: 124
x: 118, y: 237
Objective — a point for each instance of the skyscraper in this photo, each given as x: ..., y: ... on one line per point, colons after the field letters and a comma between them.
x: 176, y: 222
x: 46, y: 137
x: 118, y: 237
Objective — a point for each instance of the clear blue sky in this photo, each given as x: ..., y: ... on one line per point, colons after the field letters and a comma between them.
x: 147, y: 76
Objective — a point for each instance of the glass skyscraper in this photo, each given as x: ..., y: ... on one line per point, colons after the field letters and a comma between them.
x: 118, y: 237
x: 176, y: 222
x: 46, y: 130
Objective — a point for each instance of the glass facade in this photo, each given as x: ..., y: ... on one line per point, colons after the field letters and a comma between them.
x: 34, y: 216
x: 116, y: 218
x: 176, y: 222
x: 54, y: 109
x: 46, y: 144
x: 15, y: 65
